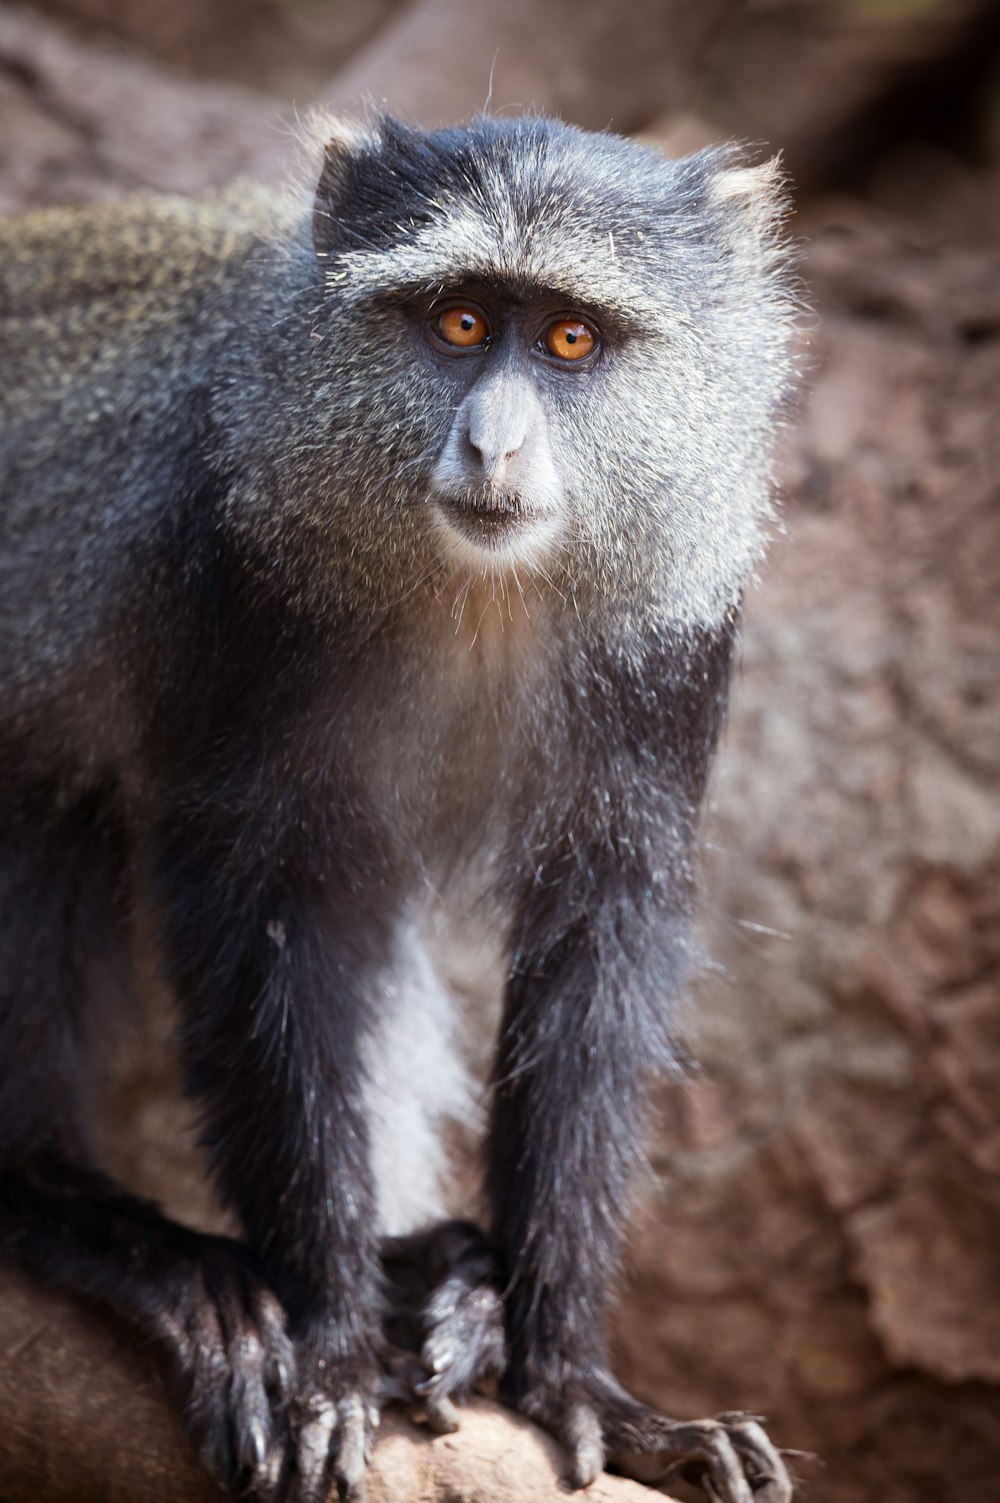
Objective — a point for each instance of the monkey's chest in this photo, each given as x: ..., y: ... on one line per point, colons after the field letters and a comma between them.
x: 450, y: 781
x: 453, y: 762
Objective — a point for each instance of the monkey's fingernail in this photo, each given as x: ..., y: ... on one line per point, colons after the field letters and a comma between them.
x: 257, y: 1444
x: 282, y: 1378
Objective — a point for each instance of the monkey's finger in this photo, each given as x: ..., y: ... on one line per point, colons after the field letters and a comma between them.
x: 253, y: 1324
x: 270, y: 1481
x: 313, y: 1449
x: 249, y: 1405
x: 279, y: 1366
x: 198, y: 1346
x: 352, y: 1448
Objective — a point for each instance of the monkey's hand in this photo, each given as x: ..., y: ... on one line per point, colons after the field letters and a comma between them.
x: 597, y: 1420
x: 335, y: 1417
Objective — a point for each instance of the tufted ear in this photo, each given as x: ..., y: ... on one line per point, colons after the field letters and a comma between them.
x: 345, y: 141
x: 757, y: 193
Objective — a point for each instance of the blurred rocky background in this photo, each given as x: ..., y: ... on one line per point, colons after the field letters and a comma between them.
x: 822, y: 1238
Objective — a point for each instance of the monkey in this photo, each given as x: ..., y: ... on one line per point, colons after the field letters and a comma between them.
x: 371, y: 573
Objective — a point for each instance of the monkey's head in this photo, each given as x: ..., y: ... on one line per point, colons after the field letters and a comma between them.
x: 546, y: 350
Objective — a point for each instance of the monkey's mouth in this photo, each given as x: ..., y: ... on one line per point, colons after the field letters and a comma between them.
x: 491, y: 529
x: 488, y: 521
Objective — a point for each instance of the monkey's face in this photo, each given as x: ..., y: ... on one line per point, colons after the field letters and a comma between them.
x: 560, y: 352
x: 497, y: 488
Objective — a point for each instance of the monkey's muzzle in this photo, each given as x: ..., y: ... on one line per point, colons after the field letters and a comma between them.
x: 493, y: 528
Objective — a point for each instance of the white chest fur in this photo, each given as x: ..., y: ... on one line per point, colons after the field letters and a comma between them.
x: 452, y: 762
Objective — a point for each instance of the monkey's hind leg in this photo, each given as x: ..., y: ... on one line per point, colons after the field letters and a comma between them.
x: 445, y: 1303
x: 200, y: 1299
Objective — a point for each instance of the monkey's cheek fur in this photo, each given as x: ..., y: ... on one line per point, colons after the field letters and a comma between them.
x: 492, y: 535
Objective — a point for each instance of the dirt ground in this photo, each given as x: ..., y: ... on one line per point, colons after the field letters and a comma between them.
x: 822, y: 1236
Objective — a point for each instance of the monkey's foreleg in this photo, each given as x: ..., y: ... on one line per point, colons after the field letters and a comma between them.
x: 580, y: 1037
x: 271, y: 961
x: 202, y: 1300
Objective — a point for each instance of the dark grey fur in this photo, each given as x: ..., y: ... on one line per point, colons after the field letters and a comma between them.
x: 324, y: 631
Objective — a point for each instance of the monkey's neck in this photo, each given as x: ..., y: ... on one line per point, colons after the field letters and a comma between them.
x: 486, y: 624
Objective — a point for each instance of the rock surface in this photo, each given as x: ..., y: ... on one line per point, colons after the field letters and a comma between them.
x: 84, y: 1418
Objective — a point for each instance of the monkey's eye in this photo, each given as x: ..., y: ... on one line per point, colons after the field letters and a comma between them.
x: 465, y: 328
x: 570, y: 339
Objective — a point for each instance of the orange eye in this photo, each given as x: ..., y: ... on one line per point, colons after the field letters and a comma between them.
x: 570, y: 339
x: 463, y: 327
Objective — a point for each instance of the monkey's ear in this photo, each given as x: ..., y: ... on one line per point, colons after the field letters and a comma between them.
x: 344, y: 142
x: 757, y: 193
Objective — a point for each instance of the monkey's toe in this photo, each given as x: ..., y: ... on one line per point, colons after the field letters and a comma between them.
x: 225, y: 1333
x: 465, y: 1344
x: 335, y: 1436
x: 731, y: 1455
x: 463, y: 1350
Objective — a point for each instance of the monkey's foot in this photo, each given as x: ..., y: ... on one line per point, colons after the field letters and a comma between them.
x: 465, y: 1345
x: 335, y: 1423
x: 460, y: 1331
x: 596, y: 1419
x: 201, y: 1299
x: 224, y: 1331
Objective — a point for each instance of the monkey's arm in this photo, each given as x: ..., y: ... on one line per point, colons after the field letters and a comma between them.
x: 270, y: 946
x: 600, y: 955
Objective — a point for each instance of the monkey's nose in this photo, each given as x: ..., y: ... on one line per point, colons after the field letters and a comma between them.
x: 495, y: 427
x: 489, y: 459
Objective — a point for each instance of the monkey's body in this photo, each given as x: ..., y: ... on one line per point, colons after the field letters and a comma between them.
x: 320, y: 634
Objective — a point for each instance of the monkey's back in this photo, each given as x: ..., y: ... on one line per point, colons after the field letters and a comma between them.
x: 107, y: 357
x: 91, y: 299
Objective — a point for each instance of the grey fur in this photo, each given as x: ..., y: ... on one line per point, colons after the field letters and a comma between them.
x: 339, y: 635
